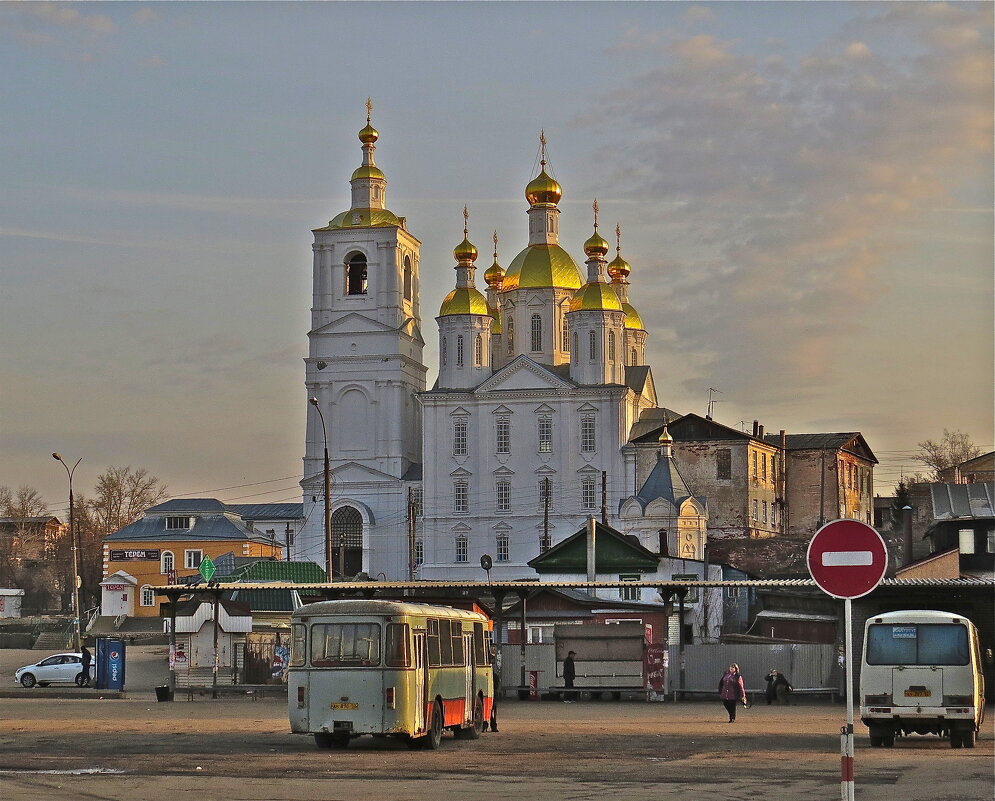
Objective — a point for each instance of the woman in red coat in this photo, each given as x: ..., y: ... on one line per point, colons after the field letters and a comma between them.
x: 732, y: 691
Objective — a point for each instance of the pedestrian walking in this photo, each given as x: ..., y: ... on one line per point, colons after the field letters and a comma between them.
x: 732, y: 691
x: 569, y: 674
x: 87, y: 658
x: 496, y: 668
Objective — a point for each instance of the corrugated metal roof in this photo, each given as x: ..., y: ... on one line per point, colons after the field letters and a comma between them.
x: 268, y: 511
x: 270, y: 570
x: 266, y: 599
x: 962, y: 501
x: 187, y: 505
x: 205, y: 527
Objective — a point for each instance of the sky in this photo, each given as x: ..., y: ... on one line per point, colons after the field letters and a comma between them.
x: 804, y: 191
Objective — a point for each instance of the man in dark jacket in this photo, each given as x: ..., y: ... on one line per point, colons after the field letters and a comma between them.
x: 569, y: 674
x: 86, y: 660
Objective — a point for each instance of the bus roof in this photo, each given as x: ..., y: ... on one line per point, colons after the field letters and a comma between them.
x: 352, y: 607
x: 916, y: 616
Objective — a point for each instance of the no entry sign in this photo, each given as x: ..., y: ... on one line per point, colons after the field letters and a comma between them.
x: 847, y: 558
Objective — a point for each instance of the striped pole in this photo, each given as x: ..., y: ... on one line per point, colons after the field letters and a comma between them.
x: 846, y: 765
x: 846, y: 739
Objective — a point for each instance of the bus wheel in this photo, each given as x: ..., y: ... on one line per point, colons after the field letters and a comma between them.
x: 472, y: 732
x: 434, y: 737
x: 967, y: 737
x: 955, y: 738
x: 876, y: 740
x: 888, y: 741
x: 323, y: 739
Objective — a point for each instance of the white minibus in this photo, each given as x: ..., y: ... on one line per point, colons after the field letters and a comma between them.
x: 921, y: 674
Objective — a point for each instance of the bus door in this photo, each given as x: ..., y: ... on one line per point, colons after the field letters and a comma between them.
x: 470, y: 660
x: 421, y: 680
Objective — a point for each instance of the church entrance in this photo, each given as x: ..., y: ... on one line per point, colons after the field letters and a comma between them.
x: 347, y: 541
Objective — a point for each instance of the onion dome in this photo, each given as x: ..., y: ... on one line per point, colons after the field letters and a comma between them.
x: 633, y: 321
x: 494, y: 275
x: 465, y: 250
x: 665, y: 438
x: 363, y: 218
x: 369, y: 134
x: 542, y: 266
x: 368, y: 171
x: 464, y: 300
x: 595, y: 296
x: 596, y: 245
x: 543, y: 189
x: 618, y: 268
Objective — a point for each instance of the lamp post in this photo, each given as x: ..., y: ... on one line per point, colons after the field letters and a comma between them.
x: 77, y: 636
x: 328, y: 510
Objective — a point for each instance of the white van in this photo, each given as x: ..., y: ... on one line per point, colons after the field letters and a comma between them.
x: 921, y: 674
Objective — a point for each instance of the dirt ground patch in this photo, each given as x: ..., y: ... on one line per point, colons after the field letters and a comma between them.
x: 237, y: 748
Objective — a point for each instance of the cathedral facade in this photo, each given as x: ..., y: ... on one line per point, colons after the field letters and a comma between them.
x: 524, y: 433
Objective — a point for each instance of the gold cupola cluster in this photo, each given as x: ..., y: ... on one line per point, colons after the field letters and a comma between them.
x: 619, y: 270
x: 465, y: 298
x: 596, y: 294
x: 494, y: 278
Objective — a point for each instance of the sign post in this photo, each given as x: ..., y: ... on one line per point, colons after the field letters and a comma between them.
x: 847, y: 559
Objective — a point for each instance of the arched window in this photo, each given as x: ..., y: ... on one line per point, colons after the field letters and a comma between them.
x: 167, y: 563
x: 511, y: 336
x: 611, y: 346
x: 576, y: 350
x: 592, y: 341
x: 478, y: 351
x: 459, y: 351
x: 356, y: 275
x: 444, y: 356
x: 633, y: 356
x: 407, y: 278
x: 536, y: 333
x: 347, y: 541
x: 566, y: 337
x: 148, y: 597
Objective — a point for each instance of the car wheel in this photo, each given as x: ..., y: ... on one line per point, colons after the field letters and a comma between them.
x: 28, y: 680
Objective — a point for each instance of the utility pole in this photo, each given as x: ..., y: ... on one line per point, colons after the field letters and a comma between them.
x: 411, y: 534
x: 289, y: 534
x: 545, y: 515
x: 604, y: 497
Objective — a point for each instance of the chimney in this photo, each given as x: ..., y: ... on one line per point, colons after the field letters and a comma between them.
x: 760, y: 434
x: 756, y: 428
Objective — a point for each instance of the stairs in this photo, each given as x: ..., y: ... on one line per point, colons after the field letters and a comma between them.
x: 52, y: 641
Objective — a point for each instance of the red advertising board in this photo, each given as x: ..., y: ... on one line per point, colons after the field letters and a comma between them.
x: 847, y: 558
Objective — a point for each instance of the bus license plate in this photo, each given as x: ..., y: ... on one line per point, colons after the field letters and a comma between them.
x: 917, y: 693
x: 340, y: 705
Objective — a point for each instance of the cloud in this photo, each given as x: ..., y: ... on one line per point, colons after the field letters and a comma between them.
x: 67, y: 16
x: 145, y: 15
x: 798, y: 181
x: 698, y: 14
x: 153, y: 62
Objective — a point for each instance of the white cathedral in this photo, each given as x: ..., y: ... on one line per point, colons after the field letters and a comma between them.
x: 526, y: 430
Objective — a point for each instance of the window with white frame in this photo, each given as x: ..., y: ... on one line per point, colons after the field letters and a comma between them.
x: 167, y: 562
x: 459, y: 351
x: 459, y: 437
x: 536, y: 344
x: 148, y: 597
x: 588, y: 493
x: 773, y: 513
x: 592, y: 343
x: 545, y: 426
x: 478, y: 351
x: 502, y: 491
x: 192, y: 559
x: 763, y: 508
x: 503, y: 548
x: 461, y: 497
x: 576, y: 350
x: 587, y: 434
x: 419, y: 552
x: 966, y: 538
x: 756, y: 509
x: 545, y: 492
x: 755, y: 470
x: 763, y: 467
x: 174, y: 523
x: 444, y: 356
x: 611, y: 346
x: 511, y: 336
x: 462, y: 548
x: 630, y: 593
x: 732, y: 592
x: 566, y: 337
x: 503, y: 435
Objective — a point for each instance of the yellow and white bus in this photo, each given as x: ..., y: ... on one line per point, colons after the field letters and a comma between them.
x: 922, y: 674
x: 407, y: 670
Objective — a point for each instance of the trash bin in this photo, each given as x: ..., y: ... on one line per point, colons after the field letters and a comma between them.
x: 163, y: 693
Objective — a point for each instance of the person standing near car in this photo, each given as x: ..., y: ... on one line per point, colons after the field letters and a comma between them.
x: 87, y: 658
x: 732, y: 691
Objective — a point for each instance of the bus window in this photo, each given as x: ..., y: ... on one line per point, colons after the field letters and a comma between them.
x: 479, y: 652
x: 446, y: 641
x: 397, y: 650
x: 434, y: 650
x: 917, y: 644
x: 345, y: 644
x: 298, y: 648
x: 459, y: 658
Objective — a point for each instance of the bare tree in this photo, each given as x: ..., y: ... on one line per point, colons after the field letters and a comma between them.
x: 26, y: 549
x: 955, y: 447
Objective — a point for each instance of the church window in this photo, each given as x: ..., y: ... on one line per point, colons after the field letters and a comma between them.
x: 419, y: 552
x: 478, y: 351
x: 566, y: 337
x: 588, y: 493
x: 723, y: 463
x: 503, y: 432
x: 511, y: 336
x: 536, y: 333
x: 502, y: 491
x: 148, y: 597
x: 459, y: 351
x: 635, y: 358
x: 592, y: 342
x: 587, y: 439
x: 459, y: 438
x: 611, y: 346
x: 545, y: 492
x: 445, y: 352
x: 545, y: 435
x: 576, y: 350
x: 461, y: 497
x: 462, y: 549
x: 503, y: 548
x: 407, y: 278
x: 356, y: 277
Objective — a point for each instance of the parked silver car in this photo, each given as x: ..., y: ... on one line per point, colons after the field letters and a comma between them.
x: 65, y: 668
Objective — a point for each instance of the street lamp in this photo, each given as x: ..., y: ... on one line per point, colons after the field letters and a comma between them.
x: 328, y: 510
x: 72, y: 535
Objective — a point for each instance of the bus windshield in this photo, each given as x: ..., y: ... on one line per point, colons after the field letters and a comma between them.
x: 345, y: 644
x: 917, y: 644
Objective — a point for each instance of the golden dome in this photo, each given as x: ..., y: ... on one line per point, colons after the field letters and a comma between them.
x: 595, y: 297
x: 464, y: 300
x: 596, y: 245
x: 494, y: 275
x: 665, y: 438
x: 369, y: 134
x: 363, y: 218
x: 368, y: 172
x: 632, y: 319
x: 543, y: 189
x: 541, y: 266
x: 465, y: 251
x: 618, y: 268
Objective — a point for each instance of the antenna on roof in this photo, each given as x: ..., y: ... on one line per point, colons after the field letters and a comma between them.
x: 711, y: 403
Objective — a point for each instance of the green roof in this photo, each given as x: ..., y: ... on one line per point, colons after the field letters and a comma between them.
x: 612, y: 553
x: 270, y: 570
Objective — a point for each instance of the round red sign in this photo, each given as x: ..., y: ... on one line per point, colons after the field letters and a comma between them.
x: 847, y: 558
